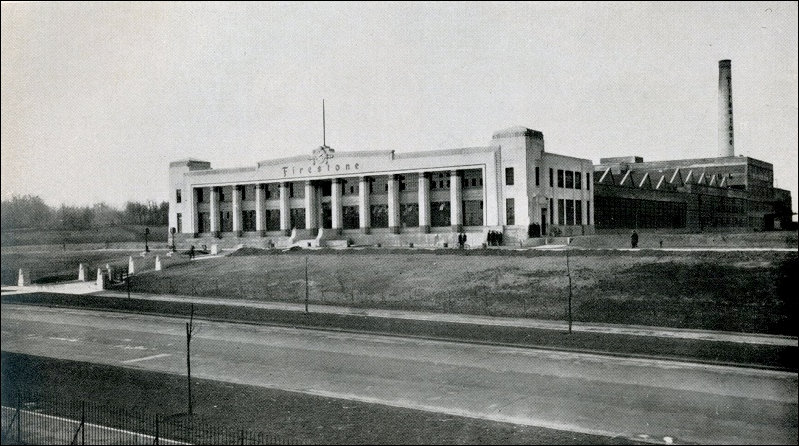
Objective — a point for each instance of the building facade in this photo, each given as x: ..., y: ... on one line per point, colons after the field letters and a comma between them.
x: 692, y: 195
x: 511, y: 185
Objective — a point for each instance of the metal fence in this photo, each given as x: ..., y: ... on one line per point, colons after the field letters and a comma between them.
x: 77, y: 422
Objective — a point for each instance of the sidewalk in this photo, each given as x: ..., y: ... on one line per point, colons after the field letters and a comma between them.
x: 634, y: 330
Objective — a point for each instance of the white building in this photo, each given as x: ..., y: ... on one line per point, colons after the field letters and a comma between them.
x: 512, y: 186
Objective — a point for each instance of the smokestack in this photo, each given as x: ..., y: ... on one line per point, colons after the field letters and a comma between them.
x: 726, y: 147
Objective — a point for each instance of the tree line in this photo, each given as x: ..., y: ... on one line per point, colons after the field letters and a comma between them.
x: 31, y: 212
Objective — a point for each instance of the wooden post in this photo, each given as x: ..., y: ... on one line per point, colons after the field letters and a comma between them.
x: 306, y: 284
x: 568, y: 273
x: 189, y: 329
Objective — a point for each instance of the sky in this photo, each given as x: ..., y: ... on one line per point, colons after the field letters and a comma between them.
x: 98, y: 98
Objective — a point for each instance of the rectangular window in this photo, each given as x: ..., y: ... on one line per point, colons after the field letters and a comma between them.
x: 350, y: 217
x: 409, y: 215
x: 473, y: 212
x: 569, y: 212
x: 509, y: 176
x: 569, y: 179
x: 588, y: 212
x: 327, y: 188
x: 243, y: 192
x: 203, y: 222
x: 551, y: 210
x: 179, y: 228
x: 379, y: 215
x: 537, y: 182
x: 297, y: 216
x: 551, y: 178
x: 248, y: 221
x: 578, y: 180
x: 177, y: 196
x: 439, y: 213
x: 561, y: 211
x: 297, y: 190
x: 587, y: 181
x: 199, y: 195
x: 272, y: 219
x: 510, y: 212
x: 221, y: 194
x: 578, y: 212
x: 225, y: 221
x: 560, y: 178
x: 379, y: 185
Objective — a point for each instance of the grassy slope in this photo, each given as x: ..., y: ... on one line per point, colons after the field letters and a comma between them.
x: 737, y: 291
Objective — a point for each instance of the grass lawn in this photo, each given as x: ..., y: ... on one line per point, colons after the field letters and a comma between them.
x: 59, y: 266
x: 119, y: 233
x: 736, y: 291
x: 289, y: 415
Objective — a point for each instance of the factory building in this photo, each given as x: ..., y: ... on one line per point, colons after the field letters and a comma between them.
x: 724, y: 193
x: 512, y: 186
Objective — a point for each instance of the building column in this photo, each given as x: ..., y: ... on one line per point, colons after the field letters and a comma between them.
x: 260, y: 209
x: 393, y: 204
x: 310, y: 208
x: 335, y: 206
x: 195, y: 212
x: 237, y: 210
x: 424, y: 202
x: 285, y: 212
x: 364, y: 210
x: 455, y: 201
x: 214, y: 211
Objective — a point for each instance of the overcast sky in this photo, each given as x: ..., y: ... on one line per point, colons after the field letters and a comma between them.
x: 98, y: 98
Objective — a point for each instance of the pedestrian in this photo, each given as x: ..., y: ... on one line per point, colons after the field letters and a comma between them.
x: 661, y: 243
x: 499, y: 238
x: 191, y: 252
x: 464, y: 240
x: 634, y: 240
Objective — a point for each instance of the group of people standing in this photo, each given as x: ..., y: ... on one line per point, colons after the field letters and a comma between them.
x: 494, y: 238
x: 461, y: 240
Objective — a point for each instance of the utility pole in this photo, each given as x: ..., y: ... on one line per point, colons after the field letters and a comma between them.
x: 569, y: 275
x: 189, y: 330
x: 306, y: 284
x: 146, y: 233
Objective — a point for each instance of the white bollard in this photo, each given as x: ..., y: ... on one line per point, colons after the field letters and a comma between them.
x: 214, y: 250
x: 157, y: 263
x: 82, y: 272
x: 100, y: 279
x: 24, y: 278
x: 131, y: 266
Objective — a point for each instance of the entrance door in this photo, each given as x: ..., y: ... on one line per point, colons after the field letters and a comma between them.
x: 543, y: 222
x: 327, y: 215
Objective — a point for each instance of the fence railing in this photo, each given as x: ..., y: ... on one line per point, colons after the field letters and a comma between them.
x: 75, y: 422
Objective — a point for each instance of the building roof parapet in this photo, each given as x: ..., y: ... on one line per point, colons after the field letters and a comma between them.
x: 188, y: 162
x: 217, y: 171
x: 517, y: 131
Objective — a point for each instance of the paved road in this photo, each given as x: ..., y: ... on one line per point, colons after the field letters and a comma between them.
x: 641, y: 399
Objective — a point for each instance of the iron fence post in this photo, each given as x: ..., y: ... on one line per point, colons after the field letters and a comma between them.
x: 19, y: 419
